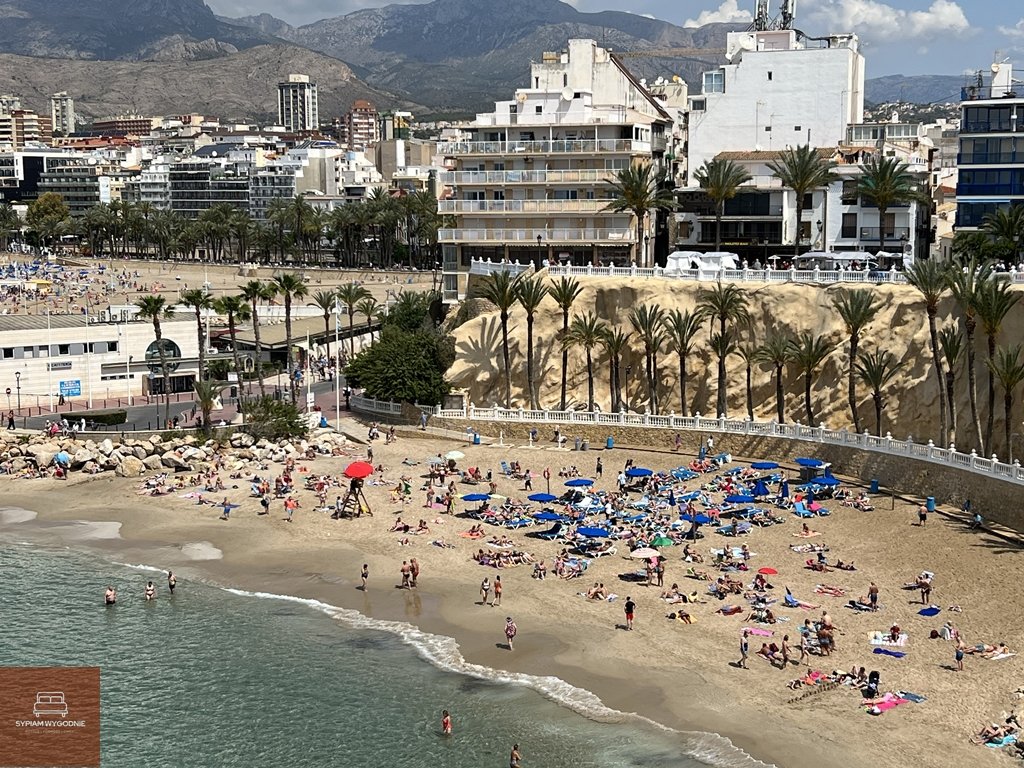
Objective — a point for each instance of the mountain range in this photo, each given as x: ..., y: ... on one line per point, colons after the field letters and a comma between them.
x: 445, y: 56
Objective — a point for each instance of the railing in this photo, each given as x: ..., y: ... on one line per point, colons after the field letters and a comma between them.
x: 584, y: 235
x: 892, y: 235
x: 522, y: 206
x: 581, y: 176
x: 566, y: 146
x: 889, y: 445
x: 369, y: 405
x: 813, y: 276
x: 480, y: 267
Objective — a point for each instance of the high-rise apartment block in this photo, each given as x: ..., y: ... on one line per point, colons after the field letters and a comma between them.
x: 297, y: 108
x: 362, y: 129
x: 62, y: 114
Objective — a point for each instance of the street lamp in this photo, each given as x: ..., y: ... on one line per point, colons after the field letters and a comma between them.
x: 433, y: 283
x: 647, y: 239
x: 17, y: 384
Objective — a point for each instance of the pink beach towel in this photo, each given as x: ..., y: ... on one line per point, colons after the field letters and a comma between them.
x: 759, y: 632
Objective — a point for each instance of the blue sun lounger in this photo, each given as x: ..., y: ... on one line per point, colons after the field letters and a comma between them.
x: 800, y: 510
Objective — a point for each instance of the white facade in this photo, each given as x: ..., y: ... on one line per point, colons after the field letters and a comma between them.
x: 62, y: 113
x: 297, y: 107
x: 775, y: 93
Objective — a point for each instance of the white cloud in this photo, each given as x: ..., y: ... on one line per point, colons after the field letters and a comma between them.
x: 877, y: 21
x: 727, y: 12
x: 1017, y: 30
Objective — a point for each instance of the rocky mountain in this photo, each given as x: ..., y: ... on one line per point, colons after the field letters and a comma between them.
x: 239, y: 86
x: 915, y: 89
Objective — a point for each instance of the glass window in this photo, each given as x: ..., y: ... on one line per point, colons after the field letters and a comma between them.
x: 698, y: 105
x: 714, y: 82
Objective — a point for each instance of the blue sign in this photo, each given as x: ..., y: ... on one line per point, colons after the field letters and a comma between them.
x: 72, y: 388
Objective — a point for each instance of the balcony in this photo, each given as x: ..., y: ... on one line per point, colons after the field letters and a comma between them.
x: 587, y: 176
x: 892, y: 234
x: 529, y: 236
x: 522, y: 206
x: 771, y: 212
x: 554, y: 147
x: 990, y: 158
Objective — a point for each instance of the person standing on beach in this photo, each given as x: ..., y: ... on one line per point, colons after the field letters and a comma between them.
x: 785, y: 651
x: 172, y: 582
x: 446, y: 723
x: 414, y: 571
x: 922, y: 515
x: 599, y: 470
x: 528, y: 481
x: 265, y: 504
x: 630, y: 609
x: 485, y: 590
x: 959, y: 654
x: 511, y: 630
x: 406, y: 572
x: 873, y: 596
x: 744, y: 650
x: 289, y: 506
x: 497, y: 592
x: 515, y: 760
x: 364, y: 575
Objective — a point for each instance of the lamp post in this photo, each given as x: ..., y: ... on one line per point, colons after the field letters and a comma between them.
x: 17, y: 384
x: 647, y: 240
x: 433, y: 282
x: 540, y: 248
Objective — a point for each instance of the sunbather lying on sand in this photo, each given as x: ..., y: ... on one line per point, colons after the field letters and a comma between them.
x: 993, y: 732
x: 681, y: 616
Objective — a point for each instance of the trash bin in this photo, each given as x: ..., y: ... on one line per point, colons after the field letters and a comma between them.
x: 585, y: 446
x: 874, y: 485
x: 234, y: 391
x: 577, y: 444
x: 929, y: 503
x: 609, y: 443
x: 476, y: 438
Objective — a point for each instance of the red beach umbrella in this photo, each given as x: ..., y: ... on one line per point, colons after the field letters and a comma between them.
x: 768, y: 572
x: 358, y: 470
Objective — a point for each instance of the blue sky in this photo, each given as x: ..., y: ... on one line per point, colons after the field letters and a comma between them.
x: 907, y: 37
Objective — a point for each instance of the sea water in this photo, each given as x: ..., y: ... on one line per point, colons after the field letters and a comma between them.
x: 215, y: 677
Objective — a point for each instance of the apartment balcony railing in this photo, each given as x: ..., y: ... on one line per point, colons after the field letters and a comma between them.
x: 584, y: 176
x: 527, y: 236
x: 989, y: 158
x: 522, y: 206
x: 874, y: 234
x: 773, y: 211
x: 553, y: 147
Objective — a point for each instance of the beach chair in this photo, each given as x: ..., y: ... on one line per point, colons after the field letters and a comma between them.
x: 727, y: 530
x: 743, y: 528
x: 819, y: 510
x: 551, y: 533
x: 506, y: 469
x: 518, y: 523
x: 800, y: 510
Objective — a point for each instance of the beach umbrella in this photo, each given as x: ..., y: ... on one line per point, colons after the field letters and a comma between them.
x: 435, y: 460
x: 671, y: 498
x: 761, y: 488
x: 497, y: 497
x: 764, y: 465
x: 739, y: 498
x: 639, y: 472
x: 542, y: 497
x: 455, y: 455
x: 827, y: 481
x: 702, y: 454
x: 768, y: 572
x: 805, y: 462
x: 594, y: 533
x: 548, y: 515
x: 700, y: 519
x: 579, y: 482
x: 62, y: 458
x: 644, y: 553
x: 475, y: 497
x: 358, y: 470
x: 662, y: 541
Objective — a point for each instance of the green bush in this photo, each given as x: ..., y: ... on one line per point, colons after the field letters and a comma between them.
x: 273, y: 419
x: 110, y: 417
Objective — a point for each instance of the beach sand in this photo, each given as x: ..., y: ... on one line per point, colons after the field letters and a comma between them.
x: 679, y: 676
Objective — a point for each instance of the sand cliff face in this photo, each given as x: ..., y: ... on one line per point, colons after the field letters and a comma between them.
x: 901, y: 327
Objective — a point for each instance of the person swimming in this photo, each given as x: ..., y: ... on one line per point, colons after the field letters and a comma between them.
x: 150, y: 591
x: 110, y: 596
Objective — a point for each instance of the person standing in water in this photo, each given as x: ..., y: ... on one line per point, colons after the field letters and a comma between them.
x: 110, y: 596
x: 515, y: 760
x: 364, y: 575
x: 446, y: 723
x: 150, y: 591
x: 172, y: 582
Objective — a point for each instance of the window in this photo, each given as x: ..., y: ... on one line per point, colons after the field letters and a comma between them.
x: 769, y: 75
x: 8, y: 353
x: 499, y: 194
x: 565, y: 80
x: 539, y: 109
x: 698, y: 105
x: 797, y: 128
x: 767, y: 129
x: 849, y: 228
x: 63, y: 349
x: 808, y: 201
x: 577, y: 95
x: 714, y: 82
x: 849, y: 194
x: 513, y: 108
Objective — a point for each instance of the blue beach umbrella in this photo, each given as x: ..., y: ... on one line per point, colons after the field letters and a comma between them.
x: 760, y: 488
x: 805, y: 462
x: 476, y: 497
x: 739, y: 498
x: 593, y: 533
x: 579, y: 482
x: 764, y: 465
x: 702, y: 453
x: 542, y: 497
x: 638, y: 472
x: 700, y: 519
x: 548, y: 515
x: 827, y: 481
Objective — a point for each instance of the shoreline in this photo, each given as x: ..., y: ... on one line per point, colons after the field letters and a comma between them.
x: 683, y: 684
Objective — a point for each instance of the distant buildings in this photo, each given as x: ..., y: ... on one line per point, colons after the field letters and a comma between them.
x: 62, y: 114
x: 20, y: 127
x: 297, y: 104
x: 360, y: 128
x: 125, y: 125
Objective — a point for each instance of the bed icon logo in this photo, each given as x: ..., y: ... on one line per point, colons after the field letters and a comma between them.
x: 50, y: 703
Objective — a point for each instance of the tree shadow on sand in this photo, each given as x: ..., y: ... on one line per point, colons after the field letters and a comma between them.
x: 482, y: 352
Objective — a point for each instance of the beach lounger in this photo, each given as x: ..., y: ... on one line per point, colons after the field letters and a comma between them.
x: 727, y: 530
x: 800, y: 510
x: 882, y: 638
x: 518, y: 523
x: 551, y: 533
x: 506, y: 469
x: 743, y: 528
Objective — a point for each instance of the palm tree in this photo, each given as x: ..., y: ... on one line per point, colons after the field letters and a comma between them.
x: 587, y: 332
x: 254, y: 292
x: 351, y: 294
x: 856, y: 308
x: 291, y: 286
x: 809, y: 350
x: 638, y: 189
x: 207, y: 393
x: 886, y: 181
x: 726, y: 303
x: 964, y: 285
x: 326, y: 301
x: 749, y: 354
x: 952, y: 342
x: 681, y: 328
x: 876, y: 370
x: 1006, y: 226
x: 929, y: 278
x: 803, y: 170
x: 1007, y: 366
x: 565, y: 291
x: 9, y: 222
x: 502, y: 290
x: 236, y: 308
x: 777, y: 351
x: 720, y: 180
x: 154, y: 308
x: 646, y: 321
x: 200, y: 301
x: 369, y: 308
x: 995, y: 300
x: 616, y: 341
x: 530, y: 295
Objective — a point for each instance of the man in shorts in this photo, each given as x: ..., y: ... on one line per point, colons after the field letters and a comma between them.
x: 744, y: 649
x: 630, y: 608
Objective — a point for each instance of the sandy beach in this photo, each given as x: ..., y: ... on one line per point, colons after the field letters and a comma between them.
x: 677, y: 675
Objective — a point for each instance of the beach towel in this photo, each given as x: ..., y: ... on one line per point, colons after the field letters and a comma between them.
x: 881, y: 638
x: 730, y: 610
x: 824, y: 589
x: 999, y: 656
x: 931, y: 610
x: 913, y: 697
x: 808, y: 535
x: 858, y: 606
x: 759, y: 632
x: 1003, y: 742
x: 887, y: 652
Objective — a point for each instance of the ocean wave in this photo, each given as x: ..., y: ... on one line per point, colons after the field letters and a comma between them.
x: 140, y: 567
x: 14, y: 515
x: 443, y: 652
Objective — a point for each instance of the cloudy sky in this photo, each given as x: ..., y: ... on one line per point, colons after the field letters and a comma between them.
x: 900, y: 36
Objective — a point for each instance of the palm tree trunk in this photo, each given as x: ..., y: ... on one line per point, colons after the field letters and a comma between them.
x: 327, y: 333
x: 202, y: 343
x: 682, y: 384
x: 718, y: 225
x: 612, y: 369
x: 529, y: 360
x: 259, y: 349
x: 991, y: 395
x: 972, y: 384
x: 288, y: 345
x: 750, y: 396
x: 877, y: 397
x: 852, y: 384
x: 649, y: 370
x: 351, y: 332
x: 807, y: 400
x: 940, y: 376
x: 590, y: 381
x: 504, y: 356
x: 780, y: 395
x: 158, y: 332
x: 654, y: 381
x: 639, y: 238
x: 951, y: 400
x: 720, y: 401
x: 882, y: 210
x: 565, y: 354
x: 235, y: 359
x: 799, y: 221
x: 1008, y: 409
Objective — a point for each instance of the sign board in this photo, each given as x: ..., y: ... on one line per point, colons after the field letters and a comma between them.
x: 232, y: 377
x: 310, y: 399
x: 71, y: 388
x: 64, y: 365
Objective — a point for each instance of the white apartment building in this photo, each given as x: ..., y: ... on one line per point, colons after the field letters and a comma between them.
x: 529, y: 181
x: 297, y: 107
x: 779, y: 89
x: 152, y: 185
x: 62, y: 113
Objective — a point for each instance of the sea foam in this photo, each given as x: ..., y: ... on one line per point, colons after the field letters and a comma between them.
x: 14, y: 515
